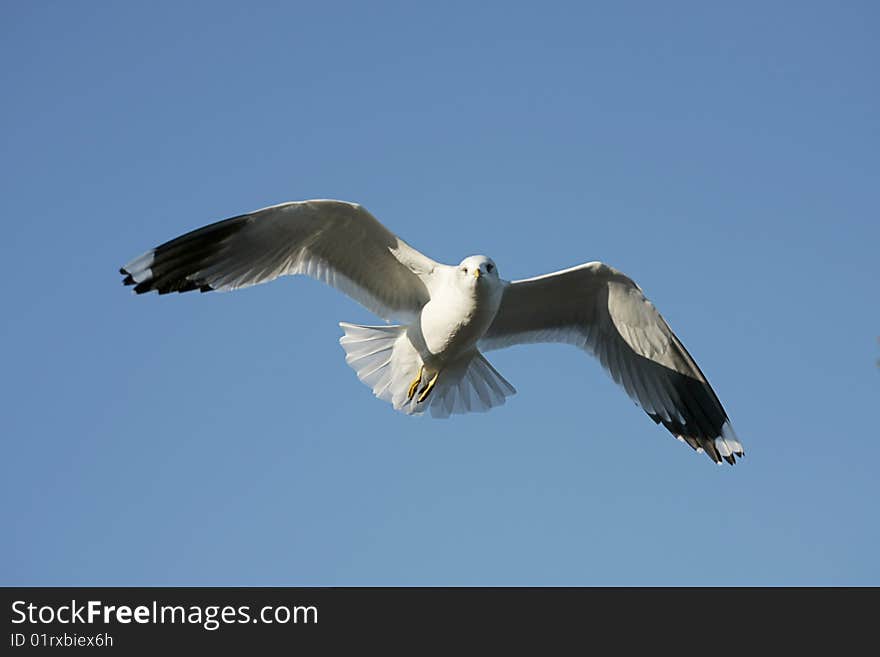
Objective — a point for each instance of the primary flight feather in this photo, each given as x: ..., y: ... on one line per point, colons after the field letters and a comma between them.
x: 448, y: 315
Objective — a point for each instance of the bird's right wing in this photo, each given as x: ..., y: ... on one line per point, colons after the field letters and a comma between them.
x: 335, y: 242
x: 602, y: 311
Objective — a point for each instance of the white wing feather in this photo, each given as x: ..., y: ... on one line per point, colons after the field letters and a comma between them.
x: 335, y: 242
x: 602, y: 311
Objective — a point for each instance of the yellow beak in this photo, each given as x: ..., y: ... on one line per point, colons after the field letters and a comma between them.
x: 476, y: 273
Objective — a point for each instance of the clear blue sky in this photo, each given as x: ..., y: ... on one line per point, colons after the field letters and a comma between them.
x: 724, y: 156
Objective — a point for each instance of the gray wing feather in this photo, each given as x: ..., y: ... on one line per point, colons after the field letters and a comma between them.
x: 602, y: 311
x: 335, y: 242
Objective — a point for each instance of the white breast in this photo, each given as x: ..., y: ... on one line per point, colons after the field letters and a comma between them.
x: 457, y: 315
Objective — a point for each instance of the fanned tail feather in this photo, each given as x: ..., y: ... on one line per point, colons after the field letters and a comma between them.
x: 469, y: 385
x: 385, y: 360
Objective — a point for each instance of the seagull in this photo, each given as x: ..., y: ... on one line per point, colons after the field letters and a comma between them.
x: 447, y: 316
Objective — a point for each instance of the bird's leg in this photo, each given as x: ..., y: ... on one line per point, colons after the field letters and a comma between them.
x: 415, y: 384
x: 428, y: 388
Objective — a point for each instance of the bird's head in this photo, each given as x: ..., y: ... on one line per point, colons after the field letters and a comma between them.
x: 478, y: 269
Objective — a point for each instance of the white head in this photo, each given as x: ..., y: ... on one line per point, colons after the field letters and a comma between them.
x: 479, y: 270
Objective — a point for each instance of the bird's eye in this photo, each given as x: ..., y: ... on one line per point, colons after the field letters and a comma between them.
x: 490, y: 267
x: 464, y: 270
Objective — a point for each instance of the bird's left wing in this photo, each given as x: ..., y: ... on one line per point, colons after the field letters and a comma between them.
x: 602, y: 311
x: 336, y: 242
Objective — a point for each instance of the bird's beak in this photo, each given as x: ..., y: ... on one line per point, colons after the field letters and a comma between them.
x: 477, y: 273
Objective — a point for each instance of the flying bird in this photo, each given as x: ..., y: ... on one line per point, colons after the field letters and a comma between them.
x: 447, y: 316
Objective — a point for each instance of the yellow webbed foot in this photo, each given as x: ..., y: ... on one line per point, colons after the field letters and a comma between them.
x: 428, y: 388
x: 415, y: 384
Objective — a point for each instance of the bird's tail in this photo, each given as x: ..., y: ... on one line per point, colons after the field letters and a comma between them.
x: 384, y: 358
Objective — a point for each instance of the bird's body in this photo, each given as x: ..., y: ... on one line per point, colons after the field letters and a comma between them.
x: 461, y: 309
x: 449, y: 315
x: 437, y: 354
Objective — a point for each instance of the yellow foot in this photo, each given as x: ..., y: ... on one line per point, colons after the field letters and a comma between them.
x: 428, y: 388
x: 415, y: 384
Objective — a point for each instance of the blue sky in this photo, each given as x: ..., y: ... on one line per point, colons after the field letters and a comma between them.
x: 724, y: 156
